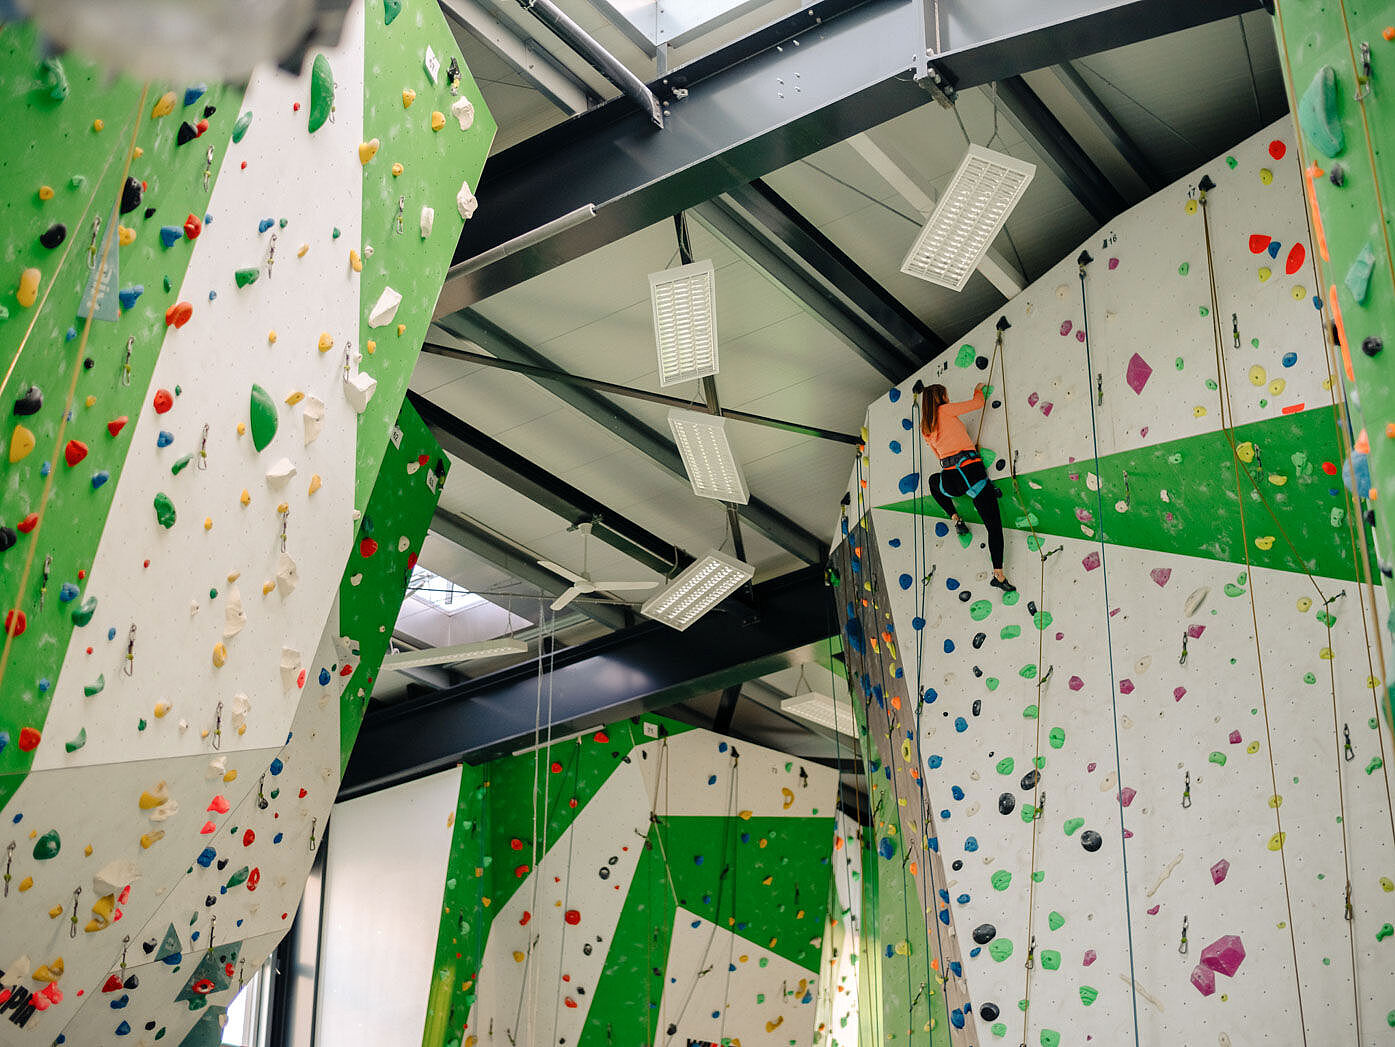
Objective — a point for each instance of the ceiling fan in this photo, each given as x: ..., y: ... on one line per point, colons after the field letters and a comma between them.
x: 583, y: 584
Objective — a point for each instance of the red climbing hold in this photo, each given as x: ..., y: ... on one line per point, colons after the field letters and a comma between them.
x: 15, y: 622
x: 75, y: 452
x: 1329, y: 468
x: 556, y: 767
x: 253, y: 878
x: 163, y: 401
x: 346, y: 670
x: 367, y: 547
x: 516, y: 844
x: 423, y: 459
x: 208, y: 829
x: 248, y: 837
x: 302, y: 794
x: 201, y: 126
x: 411, y: 561
x: 1277, y: 149
x: 1258, y: 243
x: 116, y: 425
x: 192, y: 227
x: 569, y: 1002
x: 523, y: 920
x: 28, y: 739
x: 111, y: 984
x: 573, y: 917
x: 178, y: 314
x: 1296, y: 255
x: 520, y: 871
x: 218, y: 805
x: 600, y: 738
x: 28, y: 523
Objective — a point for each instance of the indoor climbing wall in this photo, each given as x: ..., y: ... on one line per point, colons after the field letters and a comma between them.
x: 1332, y: 55
x: 1156, y: 774
x: 664, y: 885
x: 194, y: 574
x: 838, y: 1010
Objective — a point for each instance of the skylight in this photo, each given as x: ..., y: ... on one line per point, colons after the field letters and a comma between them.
x: 444, y: 595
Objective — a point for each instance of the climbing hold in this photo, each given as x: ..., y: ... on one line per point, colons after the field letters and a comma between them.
x: 193, y: 225
x: 83, y: 612
x: 15, y: 622
x: 408, y: 97
x: 438, y: 120
x: 367, y: 150
x: 29, y: 402
x: 465, y: 201
x: 96, y: 687
x: 385, y: 308
x: 77, y: 742
x: 1358, y: 278
x: 220, y: 655
x: 1294, y: 262
x: 428, y: 219
x: 263, y: 417
x: 164, y: 105
x: 464, y: 111
x: 240, y: 127
x: 326, y: 342
x: 53, y: 235
x: 1317, y: 113
x: 280, y: 472
x: 29, y: 739
x: 164, y: 510
x: 74, y: 452
x: 128, y: 296
x: 1224, y: 955
x: 391, y: 9
x: 397, y: 170
x: 358, y: 390
x: 28, y: 291
x: 21, y: 443
x: 170, y: 235
x: 178, y: 314
x: 322, y: 95
x: 243, y: 277
x: 47, y: 846
x: 1371, y: 345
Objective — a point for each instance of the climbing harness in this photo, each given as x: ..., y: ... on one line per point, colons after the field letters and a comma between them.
x: 957, y: 462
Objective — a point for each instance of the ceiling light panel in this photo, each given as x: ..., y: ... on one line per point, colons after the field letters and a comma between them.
x: 968, y: 217
x: 685, y: 321
x: 822, y: 710
x: 465, y: 652
x: 707, y: 456
x: 697, y: 590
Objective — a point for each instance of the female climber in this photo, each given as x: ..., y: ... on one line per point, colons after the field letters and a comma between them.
x: 961, y: 469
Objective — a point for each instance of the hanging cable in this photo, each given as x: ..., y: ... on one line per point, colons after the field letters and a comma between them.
x: 1083, y: 261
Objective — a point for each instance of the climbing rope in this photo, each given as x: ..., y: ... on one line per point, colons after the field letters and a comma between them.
x: 1083, y: 261
x: 1249, y: 574
x: 78, y: 357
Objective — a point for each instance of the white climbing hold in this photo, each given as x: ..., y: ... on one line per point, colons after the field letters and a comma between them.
x: 234, y: 617
x: 464, y: 111
x: 287, y: 576
x: 358, y: 390
x: 385, y: 308
x: 1195, y: 600
x: 217, y: 767
x: 290, y: 667
x: 403, y: 543
x: 280, y: 472
x: 428, y: 219
x: 168, y: 809
x: 114, y: 877
x: 465, y: 201
x: 241, y: 706
x: 313, y: 416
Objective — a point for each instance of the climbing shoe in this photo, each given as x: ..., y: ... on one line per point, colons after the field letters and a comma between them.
x: 1005, y: 585
x: 961, y: 528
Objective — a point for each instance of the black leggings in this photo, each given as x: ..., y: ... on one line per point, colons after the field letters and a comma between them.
x: 985, y: 502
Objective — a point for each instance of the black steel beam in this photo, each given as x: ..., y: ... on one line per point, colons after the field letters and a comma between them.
x: 1097, y: 111
x: 500, y: 462
x: 803, y: 83
x: 900, y: 326
x: 1058, y: 150
x: 726, y: 709
x: 504, y: 555
x: 780, y: 529
x: 889, y: 359
x: 647, y: 667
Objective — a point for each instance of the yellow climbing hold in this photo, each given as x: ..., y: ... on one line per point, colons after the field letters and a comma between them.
x: 271, y: 336
x: 370, y: 347
x: 90, y: 401
x: 1257, y: 375
x: 1325, y: 654
x: 164, y: 105
x: 157, y: 797
x: 1191, y: 207
x: 1245, y: 452
x: 48, y: 972
x: 149, y: 840
x: 220, y: 655
x: 438, y: 120
x: 1266, y: 176
x: 745, y: 816
x: 125, y: 235
x: 137, y: 153
x: 294, y: 397
x: 1387, y: 884
x: 401, y: 330
x: 55, y: 912
x: 517, y: 956
x: 1277, y: 386
x: 1198, y: 411
x: 161, y: 709
x: 245, y: 498
x: 21, y: 443
x: 302, y: 250
x: 233, y: 576
x: 1252, y: 748
x: 231, y: 776
x: 1264, y: 273
x: 45, y: 192
x: 208, y: 523
x: 1277, y: 480
x: 283, y: 507
x: 1298, y: 293
x: 241, y: 428
x: 1266, y: 542
x: 355, y: 262
x: 396, y: 170
x: 315, y: 483
x: 1305, y: 604
x: 1276, y: 801
x: 99, y: 124
x: 367, y: 150
x: 1276, y: 842
x: 326, y: 342
x: 268, y: 587
x: 24, y: 885
x: 102, y: 910
x: 788, y: 795
x: 28, y: 292
x: 408, y: 97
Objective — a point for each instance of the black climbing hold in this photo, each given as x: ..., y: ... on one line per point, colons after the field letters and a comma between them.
x: 978, y: 671
x: 132, y: 982
x: 988, y: 1012
x: 997, y: 403
x: 1371, y: 345
x: 965, y: 596
x: 1032, y: 607
x: 957, y: 864
x: 1002, y: 324
x: 1091, y: 840
x: 978, y: 640
x: 981, y: 363
x: 1370, y: 517
x: 586, y: 948
x: 187, y: 134
x: 1000, y: 465
x: 29, y: 401
x: 978, y: 706
x: 222, y: 864
x: 88, y: 364
x: 672, y: 1028
x: 1206, y: 185
x: 131, y: 194
x: 1007, y: 803
x: 149, y: 211
x: 209, y: 900
x: 603, y: 872
x: 209, y: 110
x: 985, y: 933
x: 1030, y: 779
x: 7, y: 538
x: 53, y: 235
x: 149, y: 945
x: 1337, y: 176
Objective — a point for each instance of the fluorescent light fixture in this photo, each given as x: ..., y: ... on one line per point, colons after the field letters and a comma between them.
x: 712, y: 468
x: 464, y: 652
x: 685, y: 321
x: 969, y: 215
x: 697, y: 590
x: 823, y: 710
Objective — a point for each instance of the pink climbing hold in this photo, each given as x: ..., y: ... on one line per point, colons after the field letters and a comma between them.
x: 1219, y: 870
x: 1113, y: 264
x: 1066, y: 327
x: 1195, y: 631
x: 1089, y: 957
x: 1080, y: 335
x: 1091, y: 561
x: 1177, y: 693
x: 1126, y: 687
x: 1126, y: 795
x: 1032, y: 399
x: 1046, y: 408
x: 1090, y: 767
x: 1204, y: 980
x: 1084, y: 515
x: 1154, y: 910
x: 1224, y: 955
x: 1138, y: 373
x: 1161, y: 575
x: 1076, y: 683
x: 1234, y: 737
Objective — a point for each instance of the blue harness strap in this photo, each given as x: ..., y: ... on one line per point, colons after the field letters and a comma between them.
x: 957, y: 463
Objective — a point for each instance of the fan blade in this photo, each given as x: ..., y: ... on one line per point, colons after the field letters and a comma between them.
x: 567, y: 597
x: 616, y: 587
x: 557, y: 568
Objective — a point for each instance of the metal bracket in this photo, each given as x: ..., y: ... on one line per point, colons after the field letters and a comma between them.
x: 939, y: 87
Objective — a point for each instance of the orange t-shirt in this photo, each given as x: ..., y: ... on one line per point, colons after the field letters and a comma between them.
x: 951, y: 437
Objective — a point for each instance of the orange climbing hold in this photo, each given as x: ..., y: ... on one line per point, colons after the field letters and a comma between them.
x: 163, y: 401
x: 1319, y: 236
x: 178, y: 314
x: 29, y: 739
x: 1341, y: 331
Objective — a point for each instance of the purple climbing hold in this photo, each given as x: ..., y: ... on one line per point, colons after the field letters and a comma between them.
x: 1138, y: 373
x: 1219, y: 871
x: 1224, y: 955
x: 1204, y: 980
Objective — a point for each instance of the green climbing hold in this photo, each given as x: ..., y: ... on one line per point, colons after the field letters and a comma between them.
x: 1010, y: 631
x: 1073, y: 824
x: 1056, y: 738
x: 55, y: 79
x: 1375, y: 764
x: 1326, y: 619
x: 95, y: 688
x: 1203, y: 310
x: 1055, y: 920
x: 391, y: 9
x: 1028, y: 813
x: 1218, y: 758
x: 1385, y: 931
x: 238, y: 877
x: 1309, y: 678
x: 1001, y: 879
x: 1000, y: 1029
x: 1088, y: 994
x: 321, y: 92
x: 246, y: 276
x: 1358, y: 278
x: 1231, y: 589
x: 1029, y: 712
x: 83, y: 612
x: 965, y: 357
x: 1231, y: 162
x: 1180, y: 363
x: 1317, y: 114
x: 181, y: 464
x: 1183, y: 270
x: 1039, y: 876
x: 980, y: 609
x: 1051, y: 959
x: 47, y: 846
x: 264, y: 420
x: 77, y: 742
x: 141, y: 724
x: 1028, y: 671
x: 1050, y: 1038
x: 164, y: 510
x: 1006, y: 765
x: 1010, y: 599
x: 334, y: 235
x: 991, y: 683
x: 1042, y: 619
x: 240, y: 128
x: 1000, y: 949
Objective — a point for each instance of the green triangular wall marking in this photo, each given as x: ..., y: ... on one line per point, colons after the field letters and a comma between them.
x: 1201, y: 514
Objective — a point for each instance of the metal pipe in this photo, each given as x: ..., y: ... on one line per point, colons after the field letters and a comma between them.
x: 596, y: 56
x: 548, y: 374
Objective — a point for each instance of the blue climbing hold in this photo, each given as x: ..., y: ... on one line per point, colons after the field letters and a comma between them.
x: 917, y: 623
x: 895, y: 446
x: 1289, y: 359
x: 951, y: 584
x: 4, y: 740
x: 886, y: 847
x: 956, y: 792
x: 908, y: 483
x: 711, y: 779
x: 277, y: 766
x: 265, y: 224
x: 164, y: 439
x: 325, y: 677
x: 1274, y: 247
x: 111, y: 633
x: 956, y: 1018
x: 931, y: 696
x: 941, y: 529
x: 100, y: 477
x: 127, y: 295
x: 278, y: 837
x: 171, y: 235
x: 935, y: 761
x: 124, y: 1029
x: 963, y: 899
x: 67, y: 592
x: 971, y: 844
x: 905, y: 581
x: 945, y: 815
x: 206, y: 857
x: 960, y: 724
x: 906, y: 424
x: 949, y: 646
x: 895, y: 543
x: 894, y: 394
x: 193, y: 93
